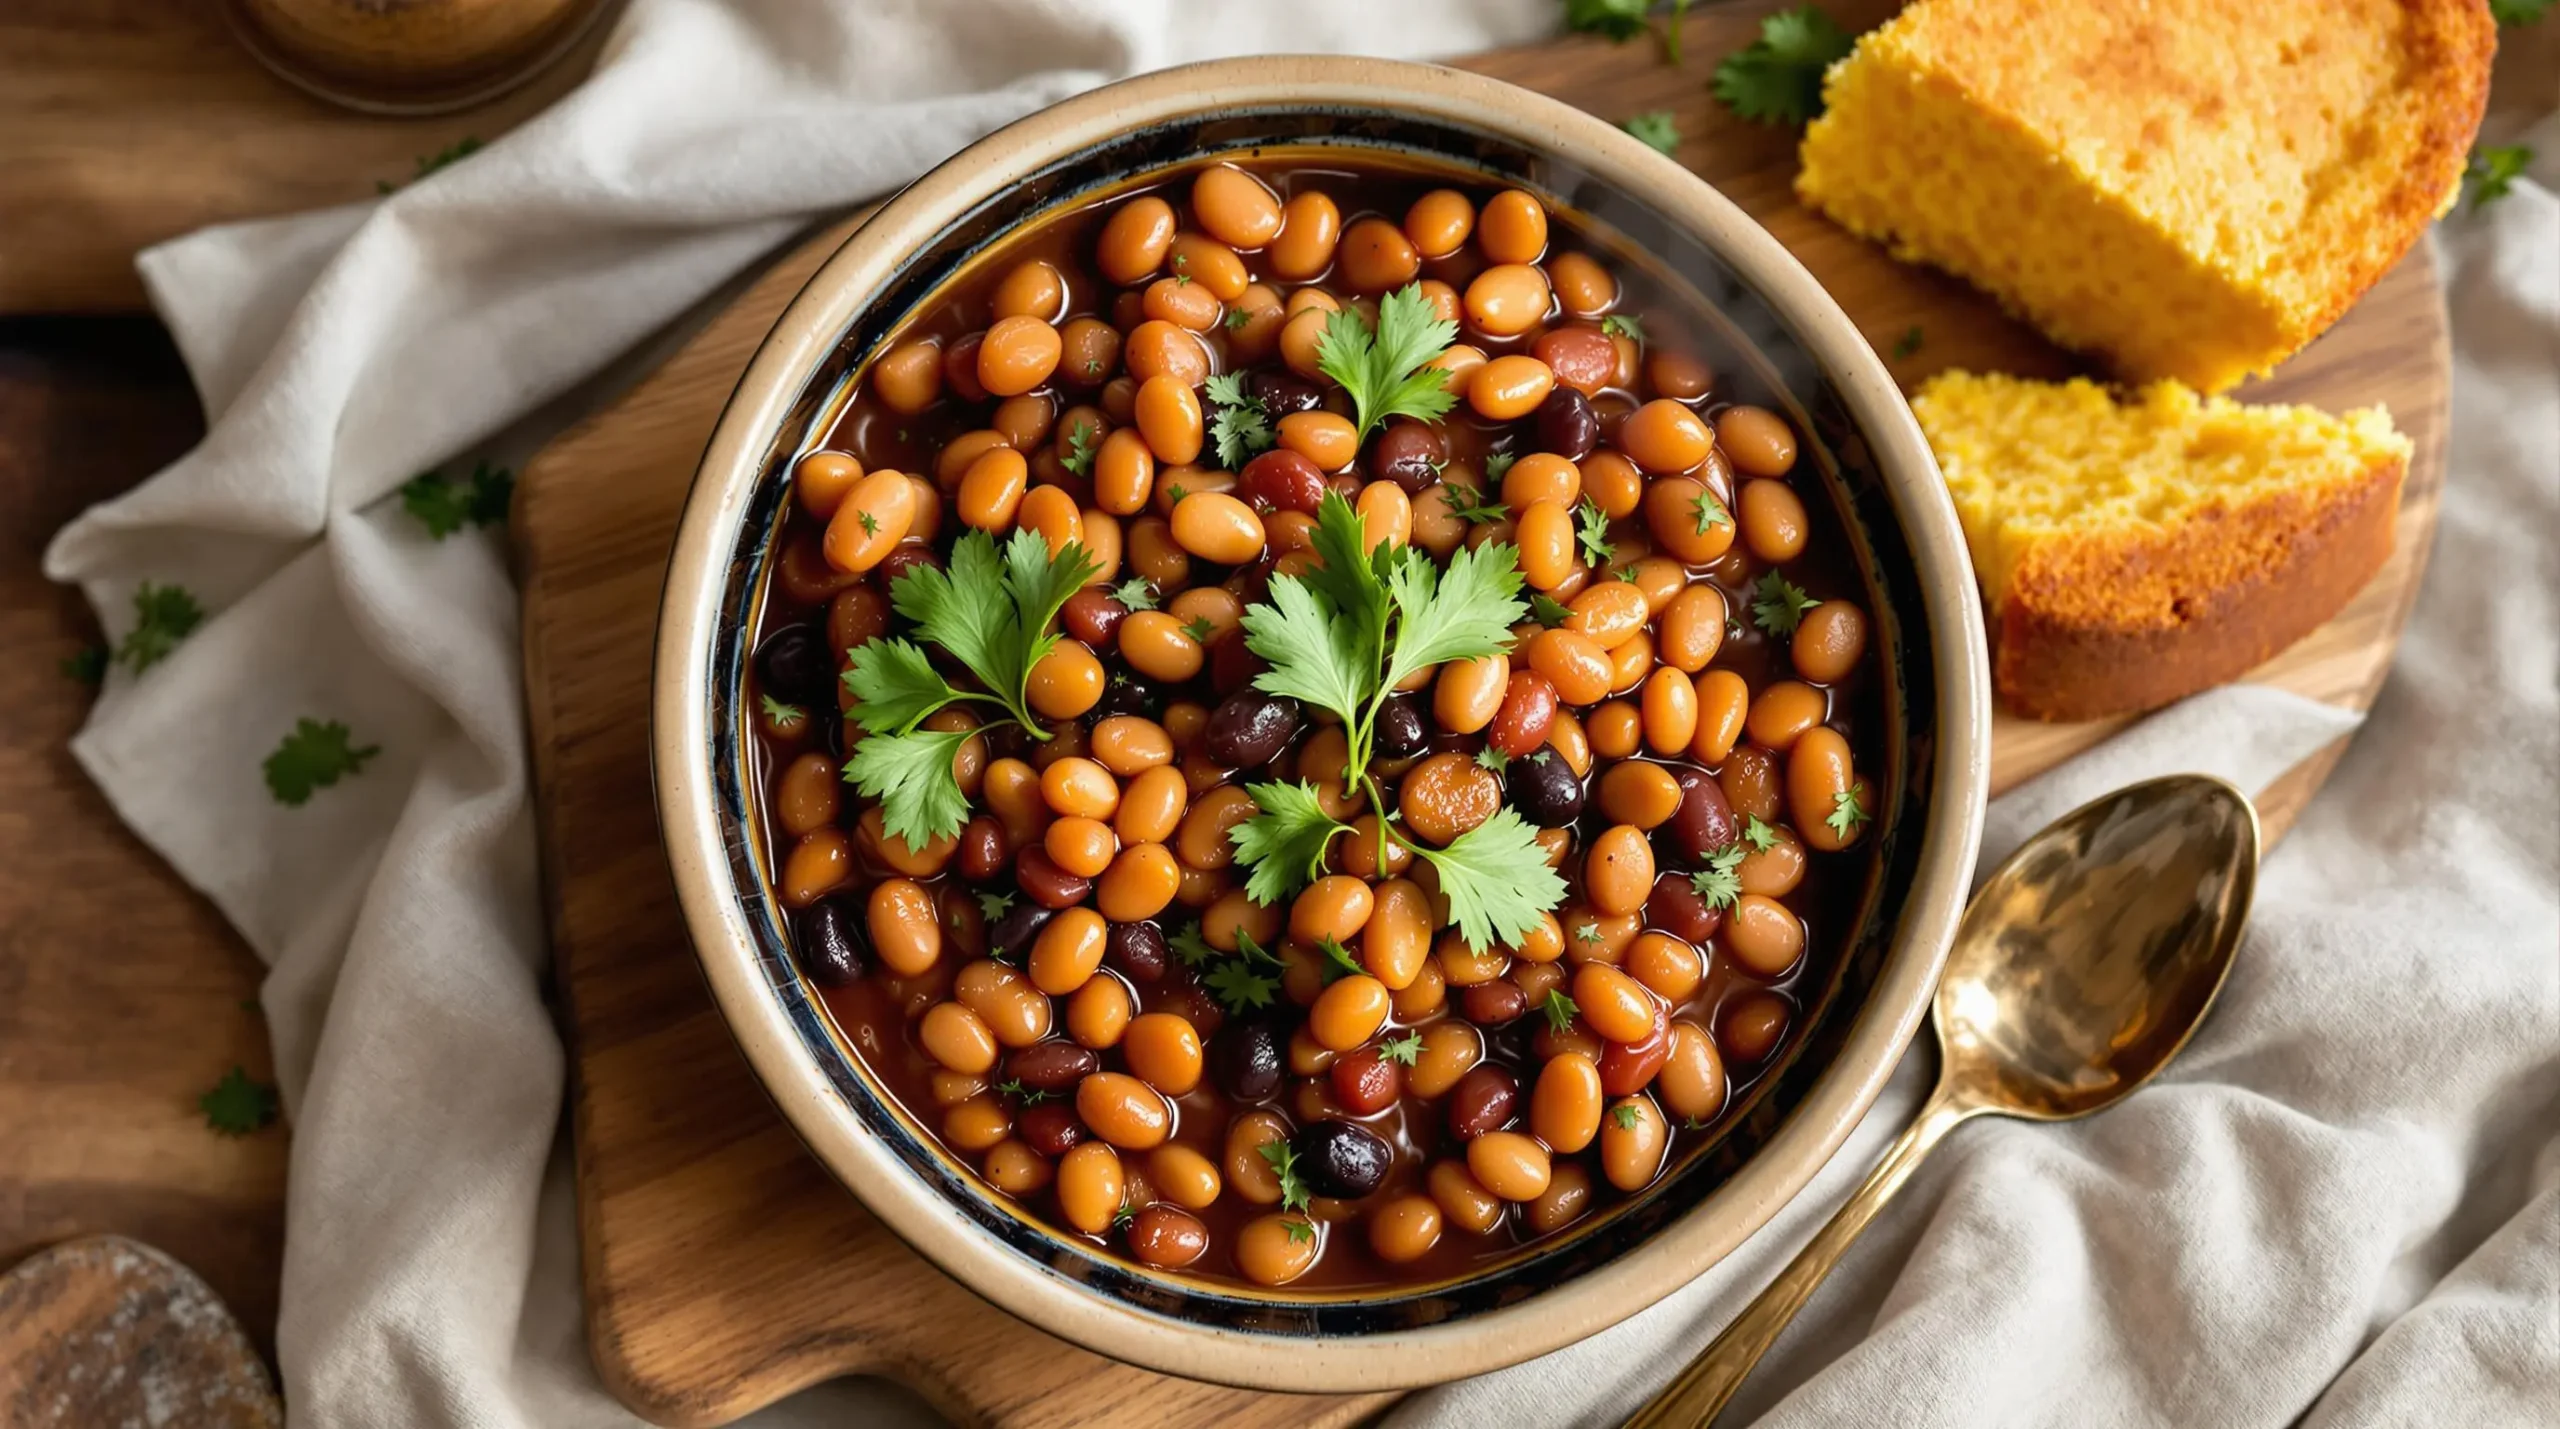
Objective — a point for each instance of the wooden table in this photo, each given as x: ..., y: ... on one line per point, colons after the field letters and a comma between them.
x: 121, y: 990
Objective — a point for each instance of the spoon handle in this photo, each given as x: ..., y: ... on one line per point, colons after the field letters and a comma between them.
x: 1693, y: 1400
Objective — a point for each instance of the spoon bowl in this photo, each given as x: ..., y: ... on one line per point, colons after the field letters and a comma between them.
x: 2090, y: 957
x: 2080, y: 968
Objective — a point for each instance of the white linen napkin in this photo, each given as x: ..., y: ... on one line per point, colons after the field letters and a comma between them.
x: 2364, y: 1113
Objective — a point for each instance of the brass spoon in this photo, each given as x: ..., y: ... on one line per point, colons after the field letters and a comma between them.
x: 2080, y: 969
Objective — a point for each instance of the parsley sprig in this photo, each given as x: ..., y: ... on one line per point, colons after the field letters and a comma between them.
x: 1082, y: 442
x: 163, y: 615
x: 1241, y: 426
x: 1591, y: 527
x: 1777, y: 79
x: 1494, y: 875
x: 1382, y: 369
x: 1403, y: 1051
x: 1560, y: 1011
x: 1720, y: 882
x: 1655, y: 128
x: 992, y: 613
x: 1778, y: 604
x: 1848, y: 814
x: 314, y: 757
x: 1241, y: 981
x: 2493, y: 171
x: 1757, y: 833
x: 1283, y: 1160
x: 238, y: 1104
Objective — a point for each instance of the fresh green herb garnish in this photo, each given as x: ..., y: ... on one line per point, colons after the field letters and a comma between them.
x: 1194, y: 950
x: 1468, y: 504
x: 1383, y: 369
x: 785, y: 719
x: 1626, y: 573
x: 1301, y: 1230
x: 1028, y: 1096
x: 1848, y: 814
x: 1709, y: 512
x: 1615, y: 19
x: 1655, y: 128
x: 1560, y: 1011
x: 1081, y: 443
x: 1718, y: 884
x: 1237, y: 319
x: 445, y: 506
x: 1283, y: 1161
x: 995, y: 905
x: 993, y: 614
x: 87, y: 665
x: 1200, y: 629
x: 2512, y: 13
x: 1493, y: 759
x: 1625, y: 1115
x: 1285, y: 844
x: 1137, y: 593
x: 1547, y: 610
x: 426, y: 164
x: 1778, y: 604
x: 1777, y: 79
x: 1240, y: 426
x: 2492, y: 172
x: 238, y: 1105
x: 1625, y: 325
x: 1586, y: 932
x: 1908, y: 343
x: 1402, y: 1051
x: 1241, y: 982
x: 313, y: 757
x: 163, y: 615
x: 1591, y: 526
x: 1173, y: 494
x: 1758, y: 834
x: 1498, y: 466
x: 1338, y: 962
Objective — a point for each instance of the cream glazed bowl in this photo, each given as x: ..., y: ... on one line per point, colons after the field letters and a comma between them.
x: 1861, y: 448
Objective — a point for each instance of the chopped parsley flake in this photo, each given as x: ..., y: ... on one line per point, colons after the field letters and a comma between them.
x: 1847, y: 815
x: 1401, y: 1050
x: 1655, y: 128
x: 1778, y: 604
x: 1625, y: 325
x: 1560, y: 1011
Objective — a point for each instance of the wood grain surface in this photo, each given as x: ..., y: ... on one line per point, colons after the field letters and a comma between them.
x: 724, y: 1268
x: 105, y: 1331
x: 123, y: 994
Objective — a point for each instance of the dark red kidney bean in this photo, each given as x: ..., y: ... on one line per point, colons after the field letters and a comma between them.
x: 835, y: 939
x: 1482, y: 1101
x: 1497, y: 1003
x: 902, y: 558
x: 1137, y: 949
x: 797, y: 667
x: 960, y: 368
x: 1284, y: 393
x: 1578, y: 356
x: 1704, y: 821
x: 984, y: 849
x: 1365, y: 1082
x: 1232, y: 666
x: 1341, y: 1159
x: 1566, y: 424
x: 1193, y: 1005
x: 1094, y: 618
x: 1249, y: 728
x: 1050, y: 1128
x: 1053, y: 1066
x: 1049, y: 885
x: 1402, y: 731
x: 1282, y: 480
x: 1167, y: 1237
x: 1528, y: 709
x: 1011, y: 935
x: 1675, y: 907
x: 1246, y: 1060
x: 1410, y: 454
x: 1544, y: 790
x: 1626, y: 1067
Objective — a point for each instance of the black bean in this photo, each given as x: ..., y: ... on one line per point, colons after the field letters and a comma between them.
x: 797, y: 667
x: 1283, y: 393
x: 1122, y: 696
x: 1245, y: 1059
x: 1401, y: 731
x: 1249, y: 729
x: 1137, y: 949
x: 1543, y: 788
x: 1054, y: 1066
x: 835, y: 939
x: 1341, y: 1159
x: 1009, y: 936
x: 1409, y: 454
x: 1704, y: 821
x: 1566, y: 424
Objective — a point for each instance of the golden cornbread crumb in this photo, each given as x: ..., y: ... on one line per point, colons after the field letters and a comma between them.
x: 2190, y: 190
x: 2134, y: 552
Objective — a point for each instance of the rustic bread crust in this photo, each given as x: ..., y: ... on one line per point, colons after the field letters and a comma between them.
x: 2251, y: 580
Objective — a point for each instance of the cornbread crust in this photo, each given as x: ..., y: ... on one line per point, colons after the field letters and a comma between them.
x: 2190, y: 190
x: 2127, y: 620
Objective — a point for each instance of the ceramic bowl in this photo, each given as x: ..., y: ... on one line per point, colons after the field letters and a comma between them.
x: 1871, y: 459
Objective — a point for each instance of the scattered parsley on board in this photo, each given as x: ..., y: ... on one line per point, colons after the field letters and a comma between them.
x: 238, y: 1105
x: 314, y: 757
x: 1777, y: 79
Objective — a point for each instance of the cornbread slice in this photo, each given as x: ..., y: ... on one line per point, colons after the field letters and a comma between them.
x: 2134, y: 553
x: 2191, y: 190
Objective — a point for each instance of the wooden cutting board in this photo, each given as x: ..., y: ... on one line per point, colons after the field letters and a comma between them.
x: 724, y: 1267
